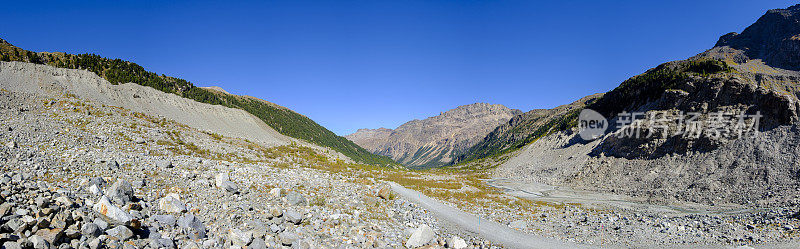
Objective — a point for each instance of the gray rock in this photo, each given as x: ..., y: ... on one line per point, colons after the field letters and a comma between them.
x: 100, y: 182
x: 196, y: 228
x: 39, y: 242
x: 101, y: 224
x: 230, y: 187
x: 66, y: 201
x: 275, y: 228
x: 258, y: 243
x: 296, y: 199
x: 421, y: 236
x: 167, y: 220
x: 164, y: 164
x: 140, y: 183
x: 90, y: 230
x: 121, y: 233
x: 121, y: 192
x: 288, y: 238
x: 42, y: 202
x: 293, y: 217
x: 257, y: 227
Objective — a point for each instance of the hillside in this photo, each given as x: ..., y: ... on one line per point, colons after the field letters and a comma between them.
x: 435, y: 141
x: 523, y: 129
x: 117, y: 71
x: 719, y: 128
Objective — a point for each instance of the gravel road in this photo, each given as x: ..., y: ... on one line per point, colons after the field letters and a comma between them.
x: 491, y: 230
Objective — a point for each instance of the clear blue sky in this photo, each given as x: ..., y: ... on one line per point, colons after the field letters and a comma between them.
x: 370, y: 64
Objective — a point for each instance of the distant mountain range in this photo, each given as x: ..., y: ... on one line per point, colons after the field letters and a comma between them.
x: 437, y: 140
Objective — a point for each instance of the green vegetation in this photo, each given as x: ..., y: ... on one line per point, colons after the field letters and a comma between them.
x: 649, y: 86
x: 118, y: 71
x: 493, y: 149
x: 632, y: 93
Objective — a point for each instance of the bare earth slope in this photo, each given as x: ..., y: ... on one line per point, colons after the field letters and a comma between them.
x: 757, y: 170
x: 435, y: 141
x: 51, y: 81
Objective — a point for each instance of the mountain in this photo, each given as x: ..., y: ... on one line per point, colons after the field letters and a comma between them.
x: 435, y: 141
x: 525, y: 128
x: 773, y: 38
x: 116, y: 71
x: 748, y: 80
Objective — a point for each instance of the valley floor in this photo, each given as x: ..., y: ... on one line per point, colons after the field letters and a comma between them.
x: 226, y: 192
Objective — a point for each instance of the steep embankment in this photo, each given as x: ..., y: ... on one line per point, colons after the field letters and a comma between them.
x: 702, y: 160
x: 51, y: 81
x: 435, y: 141
x: 116, y: 71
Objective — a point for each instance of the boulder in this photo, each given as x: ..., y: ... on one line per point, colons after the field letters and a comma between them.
x: 90, y: 230
x: 420, y: 237
x: 386, y: 193
x: 293, y: 217
x: 121, y: 233
x: 121, y: 192
x: 296, y: 199
x: 240, y: 238
x: 167, y: 220
x: 112, y: 212
x: 456, y: 243
x: 288, y: 238
x: 39, y: 242
x: 195, y: 228
x: 172, y: 204
x: 50, y: 235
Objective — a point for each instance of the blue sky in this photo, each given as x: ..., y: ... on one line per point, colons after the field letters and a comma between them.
x: 370, y: 64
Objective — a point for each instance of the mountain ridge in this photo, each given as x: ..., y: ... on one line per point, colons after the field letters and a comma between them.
x: 117, y: 71
x: 436, y: 140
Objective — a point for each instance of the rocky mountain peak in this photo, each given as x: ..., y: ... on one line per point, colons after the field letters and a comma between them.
x: 774, y: 38
x: 435, y: 140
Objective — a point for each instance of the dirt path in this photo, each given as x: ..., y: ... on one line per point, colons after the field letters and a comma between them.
x: 490, y: 230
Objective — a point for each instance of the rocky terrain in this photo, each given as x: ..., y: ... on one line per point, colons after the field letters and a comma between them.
x: 77, y: 174
x: 86, y: 163
x: 435, y: 141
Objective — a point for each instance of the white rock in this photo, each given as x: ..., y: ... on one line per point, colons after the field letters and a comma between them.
x: 95, y: 190
x: 221, y: 178
x: 421, y: 236
x: 172, y: 204
x: 276, y: 192
x: 104, y: 207
x: 456, y: 243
